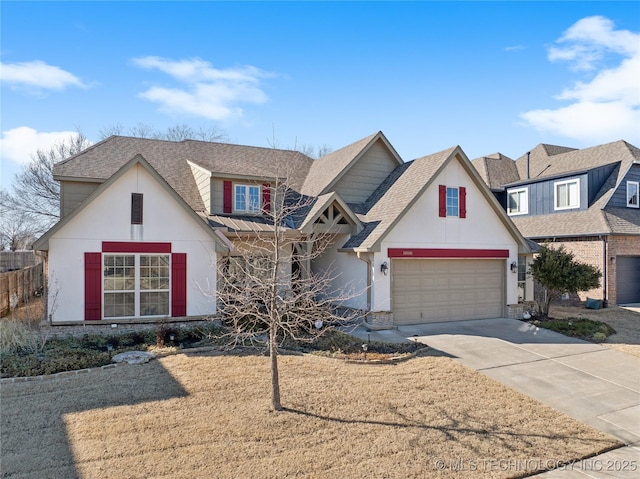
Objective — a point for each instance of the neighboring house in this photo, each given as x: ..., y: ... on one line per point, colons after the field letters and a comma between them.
x: 586, y: 200
x: 144, y: 224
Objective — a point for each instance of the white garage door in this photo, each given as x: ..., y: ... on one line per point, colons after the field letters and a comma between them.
x: 426, y: 290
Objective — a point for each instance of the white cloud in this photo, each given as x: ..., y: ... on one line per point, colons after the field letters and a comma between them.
x: 514, y: 48
x: 589, y: 122
x: 207, y: 92
x: 607, y: 106
x: 19, y: 144
x: 38, y: 75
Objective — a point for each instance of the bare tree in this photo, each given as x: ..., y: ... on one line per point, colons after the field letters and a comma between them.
x: 267, y: 288
x: 17, y: 230
x: 313, y: 151
x: 35, y: 194
x: 177, y: 132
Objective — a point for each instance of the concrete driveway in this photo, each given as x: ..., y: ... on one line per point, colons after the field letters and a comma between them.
x: 596, y: 385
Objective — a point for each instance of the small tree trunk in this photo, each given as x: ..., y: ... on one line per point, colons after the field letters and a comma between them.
x: 275, y: 379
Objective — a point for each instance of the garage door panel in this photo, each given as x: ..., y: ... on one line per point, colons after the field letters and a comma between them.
x: 447, y: 290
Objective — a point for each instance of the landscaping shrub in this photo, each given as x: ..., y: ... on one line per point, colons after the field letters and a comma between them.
x: 14, y: 335
x: 19, y: 357
x: 582, y: 328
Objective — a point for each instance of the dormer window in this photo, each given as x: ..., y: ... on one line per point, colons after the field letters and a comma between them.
x: 633, y: 191
x: 518, y: 202
x: 567, y: 194
x: 246, y: 199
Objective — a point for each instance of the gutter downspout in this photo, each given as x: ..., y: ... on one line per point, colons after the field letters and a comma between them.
x: 361, y: 256
x: 604, y: 271
x: 528, y: 168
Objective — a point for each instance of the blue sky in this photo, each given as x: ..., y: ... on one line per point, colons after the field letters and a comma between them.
x: 489, y: 76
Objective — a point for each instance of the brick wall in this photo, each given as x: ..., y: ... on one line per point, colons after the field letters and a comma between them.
x: 589, y: 251
x: 619, y: 246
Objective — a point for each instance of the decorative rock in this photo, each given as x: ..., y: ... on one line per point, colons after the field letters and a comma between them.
x: 133, y: 357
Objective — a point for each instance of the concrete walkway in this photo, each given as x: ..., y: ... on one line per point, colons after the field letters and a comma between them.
x: 596, y: 385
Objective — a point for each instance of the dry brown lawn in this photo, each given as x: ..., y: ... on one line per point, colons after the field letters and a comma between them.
x: 206, y: 415
x: 625, y: 322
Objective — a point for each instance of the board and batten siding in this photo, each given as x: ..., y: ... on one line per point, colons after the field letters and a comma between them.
x: 202, y: 178
x: 597, y: 178
x: 72, y: 193
x: 367, y: 174
x: 619, y: 197
x: 541, y: 195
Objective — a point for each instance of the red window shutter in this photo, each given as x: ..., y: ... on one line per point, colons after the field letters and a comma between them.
x: 228, y: 197
x: 92, y: 286
x: 266, y: 198
x: 178, y: 284
x: 463, y: 202
x: 442, y: 197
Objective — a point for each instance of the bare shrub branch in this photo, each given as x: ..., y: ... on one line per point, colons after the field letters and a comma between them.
x: 268, y: 290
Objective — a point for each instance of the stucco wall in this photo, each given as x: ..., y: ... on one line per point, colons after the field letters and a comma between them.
x: 421, y: 227
x: 348, y: 272
x: 107, y: 218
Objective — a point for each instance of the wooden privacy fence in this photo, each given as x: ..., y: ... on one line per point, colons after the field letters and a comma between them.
x: 13, y: 260
x: 18, y: 287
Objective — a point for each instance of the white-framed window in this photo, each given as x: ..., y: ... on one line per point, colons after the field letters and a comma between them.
x: 567, y: 194
x: 633, y: 192
x: 136, y: 285
x: 246, y: 198
x: 453, y: 202
x: 518, y: 201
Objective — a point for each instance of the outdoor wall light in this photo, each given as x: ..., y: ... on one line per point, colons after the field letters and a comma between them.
x: 384, y: 268
x: 514, y: 267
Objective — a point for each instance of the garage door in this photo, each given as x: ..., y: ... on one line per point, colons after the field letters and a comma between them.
x: 447, y: 290
x: 627, y: 279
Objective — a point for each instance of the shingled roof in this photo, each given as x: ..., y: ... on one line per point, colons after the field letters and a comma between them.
x: 549, y: 161
x: 542, y: 164
x: 169, y: 158
x: 557, y: 225
x: 402, y: 188
x: 325, y: 171
x: 496, y: 170
x: 394, y: 199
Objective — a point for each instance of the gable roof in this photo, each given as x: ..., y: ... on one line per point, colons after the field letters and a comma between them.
x: 42, y: 243
x: 549, y: 161
x: 170, y: 159
x: 321, y: 204
x: 542, y: 164
x: 496, y: 170
x: 406, y: 184
x: 327, y: 170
